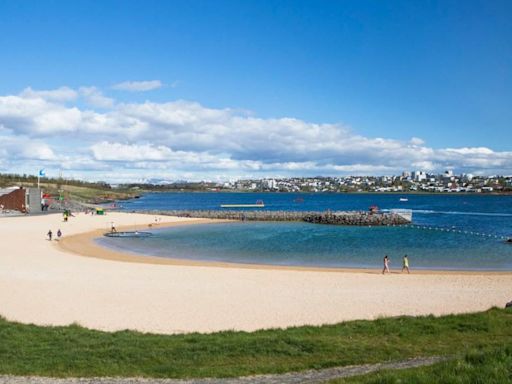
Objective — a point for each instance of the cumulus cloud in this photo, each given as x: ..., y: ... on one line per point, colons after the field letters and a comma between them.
x: 37, y: 116
x: 106, y: 151
x: 416, y: 141
x: 95, y: 97
x: 191, y: 139
x: 23, y: 148
x: 59, y: 94
x: 426, y: 165
x: 149, y: 155
x: 138, y: 86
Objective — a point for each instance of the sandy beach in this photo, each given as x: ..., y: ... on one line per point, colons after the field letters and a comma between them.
x: 76, y: 281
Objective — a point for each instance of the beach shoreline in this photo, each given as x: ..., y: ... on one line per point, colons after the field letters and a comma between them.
x: 84, y: 244
x: 52, y: 283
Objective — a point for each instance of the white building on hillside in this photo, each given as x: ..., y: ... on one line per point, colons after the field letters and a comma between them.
x: 419, y: 175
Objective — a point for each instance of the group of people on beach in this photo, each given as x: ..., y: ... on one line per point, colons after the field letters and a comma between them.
x: 50, y: 234
x: 387, y: 261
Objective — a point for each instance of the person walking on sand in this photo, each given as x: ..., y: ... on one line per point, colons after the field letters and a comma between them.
x: 406, y: 264
x: 49, y: 234
x: 386, y: 265
x: 113, y: 228
x: 59, y: 234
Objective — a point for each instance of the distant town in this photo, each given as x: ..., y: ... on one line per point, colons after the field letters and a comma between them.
x: 31, y: 193
x: 416, y: 181
x: 407, y: 182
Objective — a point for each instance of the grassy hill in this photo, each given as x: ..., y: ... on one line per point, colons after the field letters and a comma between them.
x: 75, y: 190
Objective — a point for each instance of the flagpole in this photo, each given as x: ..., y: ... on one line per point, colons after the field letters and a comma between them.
x: 39, y: 174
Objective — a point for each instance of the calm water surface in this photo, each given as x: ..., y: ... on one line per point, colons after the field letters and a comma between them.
x: 466, y: 232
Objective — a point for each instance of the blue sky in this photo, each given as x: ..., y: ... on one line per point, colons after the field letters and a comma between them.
x: 438, y: 73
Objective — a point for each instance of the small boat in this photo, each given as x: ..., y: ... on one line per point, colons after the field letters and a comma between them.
x: 128, y: 234
x: 259, y: 204
x: 404, y: 199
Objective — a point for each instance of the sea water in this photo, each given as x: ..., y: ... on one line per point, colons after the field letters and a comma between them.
x: 460, y: 232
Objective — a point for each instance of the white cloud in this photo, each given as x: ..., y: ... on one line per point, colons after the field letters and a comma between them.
x: 192, y: 139
x: 476, y: 151
x: 121, y: 152
x: 37, y: 116
x: 95, y: 97
x: 138, y: 86
x: 37, y: 151
x: 424, y: 165
x: 59, y: 94
x: 14, y: 149
x: 147, y: 156
x: 416, y: 141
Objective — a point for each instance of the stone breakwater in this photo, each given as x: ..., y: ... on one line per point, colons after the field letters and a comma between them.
x: 355, y: 218
x: 361, y: 218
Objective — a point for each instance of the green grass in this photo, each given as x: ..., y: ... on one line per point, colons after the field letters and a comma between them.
x: 76, y: 351
x: 492, y: 366
x: 89, y: 194
x: 71, y: 189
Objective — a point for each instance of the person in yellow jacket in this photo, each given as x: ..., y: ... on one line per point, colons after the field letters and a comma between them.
x: 405, y: 264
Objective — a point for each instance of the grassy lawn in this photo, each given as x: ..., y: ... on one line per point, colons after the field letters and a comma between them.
x: 87, y: 193
x: 492, y: 366
x: 75, y: 351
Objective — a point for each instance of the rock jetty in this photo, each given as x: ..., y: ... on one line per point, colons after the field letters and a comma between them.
x: 361, y: 218
x: 355, y: 218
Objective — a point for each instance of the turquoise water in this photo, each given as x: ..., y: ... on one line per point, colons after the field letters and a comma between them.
x: 466, y: 232
x: 491, y: 214
x: 303, y: 244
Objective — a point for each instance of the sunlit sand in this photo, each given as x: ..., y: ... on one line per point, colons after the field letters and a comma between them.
x: 75, y: 281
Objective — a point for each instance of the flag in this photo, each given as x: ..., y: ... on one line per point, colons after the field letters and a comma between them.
x: 42, y: 172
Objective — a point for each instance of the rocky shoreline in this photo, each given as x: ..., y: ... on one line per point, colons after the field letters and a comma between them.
x: 355, y: 218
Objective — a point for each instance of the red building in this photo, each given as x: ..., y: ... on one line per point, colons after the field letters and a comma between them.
x: 20, y: 199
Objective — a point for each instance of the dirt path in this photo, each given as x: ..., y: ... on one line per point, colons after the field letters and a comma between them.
x: 309, y: 377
